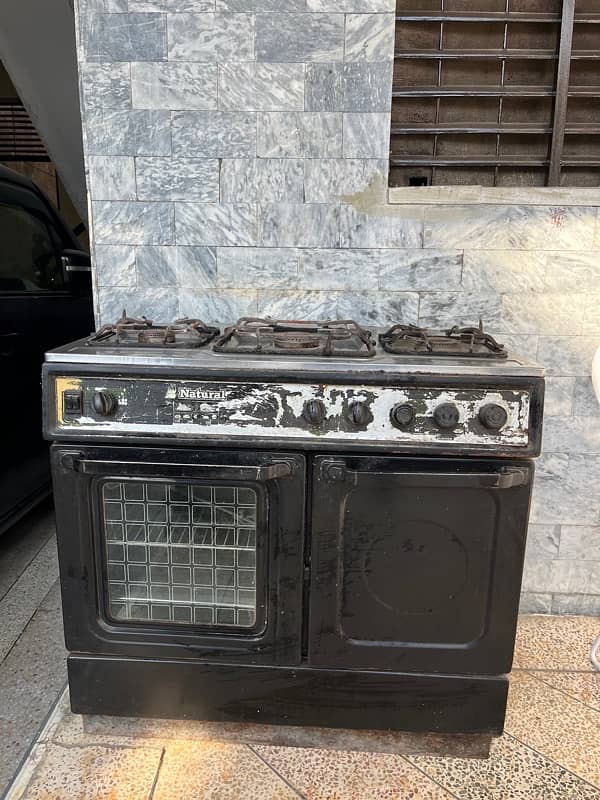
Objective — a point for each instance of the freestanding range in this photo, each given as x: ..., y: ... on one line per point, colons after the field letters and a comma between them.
x: 295, y: 523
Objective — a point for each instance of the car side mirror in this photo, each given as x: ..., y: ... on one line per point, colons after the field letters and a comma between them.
x: 76, y: 261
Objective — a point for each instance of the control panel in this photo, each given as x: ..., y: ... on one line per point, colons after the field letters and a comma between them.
x: 404, y: 415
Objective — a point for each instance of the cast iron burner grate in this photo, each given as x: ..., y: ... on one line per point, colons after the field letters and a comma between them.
x: 131, y: 332
x: 341, y: 338
x: 469, y: 342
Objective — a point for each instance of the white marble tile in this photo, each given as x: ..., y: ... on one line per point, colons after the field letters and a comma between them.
x: 542, y: 541
x: 381, y: 226
x: 551, y: 313
x: 324, y: 87
x: 268, y: 180
x: 366, y: 135
x: 324, y: 269
x: 558, y: 399
x: 105, y: 86
x: 261, y: 5
x: 186, y: 179
x: 578, y: 604
x: 118, y: 132
x: 585, y: 402
x: 257, y: 268
x: 504, y: 271
x: 369, y: 37
x: 299, y: 37
x: 161, y: 305
x: 183, y: 267
x: 535, y: 603
x: 133, y: 223
x: 571, y: 271
x: 215, y: 225
x: 366, y: 6
x: 299, y: 225
x: 111, y: 177
x: 444, y: 309
x: 580, y: 541
x: 566, y: 489
x: 423, y: 270
x: 218, y: 306
x: 261, y: 87
x: 114, y: 265
x: 367, y: 86
x: 567, y: 356
x: 174, y: 86
x: 379, y: 308
x: 211, y: 37
x: 572, y: 435
x: 341, y: 179
x: 124, y: 37
x: 299, y: 135
x: 214, y: 134
x: 297, y: 305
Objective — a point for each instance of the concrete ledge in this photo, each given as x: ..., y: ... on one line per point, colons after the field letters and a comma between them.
x: 489, y: 195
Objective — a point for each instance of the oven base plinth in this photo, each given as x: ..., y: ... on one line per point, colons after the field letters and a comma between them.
x: 290, y: 696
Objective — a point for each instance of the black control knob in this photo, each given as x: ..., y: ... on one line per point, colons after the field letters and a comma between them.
x: 493, y: 416
x: 402, y: 415
x: 104, y: 403
x: 446, y: 416
x: 314, y: 412
x: 359, y: 414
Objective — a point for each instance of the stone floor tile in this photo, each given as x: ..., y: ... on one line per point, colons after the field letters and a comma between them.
x: 513, y: 771
x: 199, y: 770
x: 328, y: 775
x: 550, y: 642
x: 21, y: 543
x: 582, y: 686
x: 94, y: 773
x: 560, y: 728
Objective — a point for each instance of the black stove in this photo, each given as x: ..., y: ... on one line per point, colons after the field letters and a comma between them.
x: 335, y: 338
x: 470, y: 342
x: 143, y: 332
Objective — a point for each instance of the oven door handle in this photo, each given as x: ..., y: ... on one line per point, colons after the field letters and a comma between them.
x: 259, y: 474
x: 508, y: 478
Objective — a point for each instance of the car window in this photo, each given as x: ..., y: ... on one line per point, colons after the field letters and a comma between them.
x: 30, y: 258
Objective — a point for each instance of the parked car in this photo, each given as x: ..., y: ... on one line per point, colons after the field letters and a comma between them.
x: 45, y: 301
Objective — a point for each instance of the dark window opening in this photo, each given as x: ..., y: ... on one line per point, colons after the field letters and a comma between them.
x: 496, y: 93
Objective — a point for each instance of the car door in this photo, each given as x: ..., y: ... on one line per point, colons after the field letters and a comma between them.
x: 38, y: 311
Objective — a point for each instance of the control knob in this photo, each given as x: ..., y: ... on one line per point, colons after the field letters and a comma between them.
x: 492, y: 416
x: 359, y: 414
x: 402, y: 415
x: 104, y: 403
x: 446, y: 416
x: 314, y: 412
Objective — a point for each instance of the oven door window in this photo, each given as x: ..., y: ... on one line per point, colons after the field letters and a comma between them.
x: 179, y: 553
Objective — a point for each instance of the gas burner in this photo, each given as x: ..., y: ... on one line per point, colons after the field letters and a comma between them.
x: 131, y: 332
x: 341, y: 338
x: 468, y: 342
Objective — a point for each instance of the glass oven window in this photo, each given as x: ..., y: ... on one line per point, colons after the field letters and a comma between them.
x: 180, y: 553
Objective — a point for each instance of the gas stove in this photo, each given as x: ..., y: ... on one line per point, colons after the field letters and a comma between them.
x: 131, y: 332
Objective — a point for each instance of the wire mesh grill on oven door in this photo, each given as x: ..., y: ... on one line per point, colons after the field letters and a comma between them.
x: 180, y: 553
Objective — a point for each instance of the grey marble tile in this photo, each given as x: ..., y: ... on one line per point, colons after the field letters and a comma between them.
x: 542, y: 541
x: 265, y: 180
x: 558, y: 399
x: 537, y: 576
x: 369, y: 37
x: 261, y: 5
x: 570, y: 271
x: 185, y: 267
x: 324, y: 87
x: 572, y: 435
x: 580, y: 541
x: 133, y: 223
x: 103, y: 6
x: 217, y: 306
x: 174, y: 86
x: 297, y: 225
x: 524, y: 345
x: 127, y: 133
x: 567, y: 355
x: 214, y: 134
x: 261, y: 87
x: 535, y: 603
x: 508, y: 227
x: 299, y: 135
x: 215, y: 224
x: 566, y: 489
x: 381, y: 226
x: 366, y: 135
x: 366, y: 6
x: 577, y: 604
x: 324, y: 269
x: 211, y: 37
x: 125, y: 37
x: 552, y: 313
x: 184, y: 179
x: 340, y: 179
x: 444, y: 309
x: 368, y: 86
x: 297, y: 305
x: 299, y: 37
x: 504, y: 271
x: 379, y: 308
x: 585, y: 402
x: 175, y: 6
x: 575, y: 577
x: 115, y: 265
x: 423, y: 270
x: 111, y: 177
x: 161, y: 305
x: 105, y: 86
x: 257, y: 268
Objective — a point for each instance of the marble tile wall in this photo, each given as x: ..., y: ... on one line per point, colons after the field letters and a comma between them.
x: 236, y: 158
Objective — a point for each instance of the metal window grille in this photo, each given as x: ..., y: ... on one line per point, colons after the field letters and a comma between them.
x: 19, y: 140
x: 180, y: 553
x: 496, y: 93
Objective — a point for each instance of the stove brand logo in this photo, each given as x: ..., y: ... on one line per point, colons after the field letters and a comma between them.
x: 187, y: 393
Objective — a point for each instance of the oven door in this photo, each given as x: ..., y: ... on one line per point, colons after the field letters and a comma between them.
x: 416, y: 565
x: 177, y: 553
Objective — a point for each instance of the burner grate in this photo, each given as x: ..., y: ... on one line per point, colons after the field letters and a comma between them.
x: 468, y: 342
x: 133, y: 332
x: 341, y: 338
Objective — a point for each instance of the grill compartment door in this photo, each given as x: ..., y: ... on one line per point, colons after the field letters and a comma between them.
x: 416, y: 565
x: 181, y: 553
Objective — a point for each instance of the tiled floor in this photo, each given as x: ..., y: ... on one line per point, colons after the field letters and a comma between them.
x: 550, y: 750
